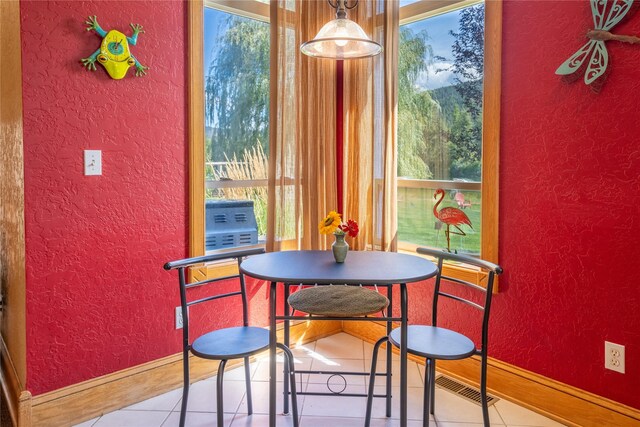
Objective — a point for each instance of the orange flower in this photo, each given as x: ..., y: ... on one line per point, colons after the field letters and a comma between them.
x: 333, y: 223
x: 330, y: 223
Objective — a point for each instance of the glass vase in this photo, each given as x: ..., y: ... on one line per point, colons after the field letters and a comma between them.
x: 340, y: 248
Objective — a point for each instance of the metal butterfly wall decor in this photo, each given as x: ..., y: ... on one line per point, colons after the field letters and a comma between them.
x: 606, y: 15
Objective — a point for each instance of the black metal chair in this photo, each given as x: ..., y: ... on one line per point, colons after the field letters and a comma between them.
x: 227, y: 343
x: 436, y: 343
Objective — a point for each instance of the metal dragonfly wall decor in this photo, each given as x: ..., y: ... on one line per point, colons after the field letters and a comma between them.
x: 606, y: 15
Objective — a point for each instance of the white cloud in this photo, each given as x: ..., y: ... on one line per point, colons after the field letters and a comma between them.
x: 430, y: 79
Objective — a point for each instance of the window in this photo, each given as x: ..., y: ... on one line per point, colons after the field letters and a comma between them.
x: 448, y: 124
x: 478, y: 195
x: 229, y: 116
x: 236, y: 95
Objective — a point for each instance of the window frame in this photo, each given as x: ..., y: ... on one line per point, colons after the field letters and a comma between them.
x: 196, y: 121
x: 410, y: 13
x: 490, y: 125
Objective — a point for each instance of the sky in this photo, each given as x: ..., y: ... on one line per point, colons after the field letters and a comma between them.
x: 437, y: 28
x: 213, y: 20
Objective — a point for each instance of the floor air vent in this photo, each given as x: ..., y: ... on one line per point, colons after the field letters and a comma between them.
x: 472, y: 394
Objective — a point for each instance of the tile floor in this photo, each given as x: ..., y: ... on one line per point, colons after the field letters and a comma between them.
x: 338, y: 352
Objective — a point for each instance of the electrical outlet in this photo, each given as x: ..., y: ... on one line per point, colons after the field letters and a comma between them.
x: 614, y: 357
x: 179, y: 321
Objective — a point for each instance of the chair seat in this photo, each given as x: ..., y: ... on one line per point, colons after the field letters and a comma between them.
x: 231, y: 343
x: 338, y: 301
x: 435, y: 343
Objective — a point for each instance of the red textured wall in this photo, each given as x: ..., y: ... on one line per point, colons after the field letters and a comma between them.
x: 569, y: 205
x: 569, y: 198
x: 97, y: 298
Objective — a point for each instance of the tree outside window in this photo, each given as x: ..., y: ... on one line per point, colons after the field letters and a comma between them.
x: 440, y: 84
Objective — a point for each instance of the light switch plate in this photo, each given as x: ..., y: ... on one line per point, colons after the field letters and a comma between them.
x: 93, y: 162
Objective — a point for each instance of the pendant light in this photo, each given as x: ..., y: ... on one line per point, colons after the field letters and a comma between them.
x: 341, y: 38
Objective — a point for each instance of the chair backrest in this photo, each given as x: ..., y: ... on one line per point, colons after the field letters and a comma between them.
x: 183, y: 266
x: 490, y: 268
x: 462, y: 203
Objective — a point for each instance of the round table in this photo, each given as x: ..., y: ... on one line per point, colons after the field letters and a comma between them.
x: 319, y: 267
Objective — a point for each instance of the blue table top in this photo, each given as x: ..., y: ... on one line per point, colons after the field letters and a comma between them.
x: 360, y: 267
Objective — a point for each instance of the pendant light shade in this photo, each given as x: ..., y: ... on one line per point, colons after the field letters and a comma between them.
x: 341, y: 39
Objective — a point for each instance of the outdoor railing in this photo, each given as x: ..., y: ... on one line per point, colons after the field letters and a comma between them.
x: 402, y: 183
x: 416, y: 224
x: 213, y: 184
x: 433, y: 184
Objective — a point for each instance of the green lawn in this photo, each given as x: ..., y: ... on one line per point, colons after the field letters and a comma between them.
x: 417, y: 224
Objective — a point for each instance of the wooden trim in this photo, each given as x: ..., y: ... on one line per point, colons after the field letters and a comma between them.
x: 250, y: 9
x: 195, y: 86
x: 491, y: 112
x: 561, y: 402
x: 468, y: 274
x: 491, y: 130
x: 425, y: 9
x: 24, y: 409
x: 12, y: 234
x: 464, y: 272
x: 89, y: 399
x: 214, y: 270
x: 18, y: 400
x: 591, y: 398
x: 224, y: 269
x: 196, y: 120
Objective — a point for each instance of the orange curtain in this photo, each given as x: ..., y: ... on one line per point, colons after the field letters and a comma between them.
x: 302, y: 172
x: 370, y: 130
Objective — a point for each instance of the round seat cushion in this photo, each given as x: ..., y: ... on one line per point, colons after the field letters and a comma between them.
x: 231, y: 343
x: 434, y: 342
x: 338, y: 301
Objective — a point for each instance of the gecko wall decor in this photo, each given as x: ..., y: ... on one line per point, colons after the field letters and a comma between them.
x: 114, y: 53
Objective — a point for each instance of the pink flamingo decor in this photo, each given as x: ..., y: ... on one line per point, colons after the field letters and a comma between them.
x: 450, y: 216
